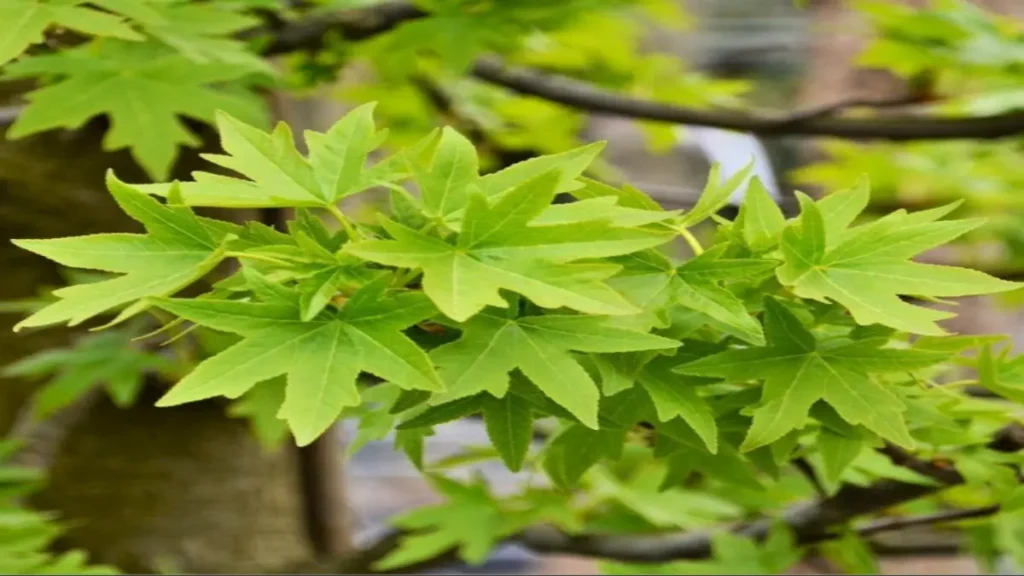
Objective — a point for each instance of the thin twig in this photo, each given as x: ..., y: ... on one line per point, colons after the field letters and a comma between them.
x: 937, y: 472
x: 894, y: 524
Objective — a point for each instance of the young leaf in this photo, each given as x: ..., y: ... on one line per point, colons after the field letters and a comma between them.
x: 716, y: 194
x: 569, y: 165
x: 178, y: 249
x: 497, y: 249
x: 763, y: 220
x: 445, y: 184
x: 867, y: 268
x: 321, y: 358
x: 339, y: 156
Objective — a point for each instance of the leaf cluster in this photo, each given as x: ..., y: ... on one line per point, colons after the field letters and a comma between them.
x: 675, y: 390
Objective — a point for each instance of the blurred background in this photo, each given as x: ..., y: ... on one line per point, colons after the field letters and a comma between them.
x: 136, y: 476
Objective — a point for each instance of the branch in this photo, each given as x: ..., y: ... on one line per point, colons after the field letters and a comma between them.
x: 893, y: 524
x: 941, y: 474
x: 356, y: 24
x: 353, y: 24
x: 309, y: 33
x: 810, y: 521
x: 899, y: 128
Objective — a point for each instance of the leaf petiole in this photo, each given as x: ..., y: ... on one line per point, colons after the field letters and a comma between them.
x: 691, y: 240
x: 350, y: 229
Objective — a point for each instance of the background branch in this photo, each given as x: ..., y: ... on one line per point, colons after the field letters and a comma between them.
x: 812, y: 523
x: 309, y: 33
x: 899, y: 128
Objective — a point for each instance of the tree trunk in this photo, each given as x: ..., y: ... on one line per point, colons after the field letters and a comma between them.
x: 182, y: 489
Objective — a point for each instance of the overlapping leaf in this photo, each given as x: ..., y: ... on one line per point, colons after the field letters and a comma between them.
x: 498, y: 249
x: 799, y: 371
x: 651, y: 282
x: 178, y: 249
x: 539, y: 346
x: 321, y: 358
x: 866, y: 268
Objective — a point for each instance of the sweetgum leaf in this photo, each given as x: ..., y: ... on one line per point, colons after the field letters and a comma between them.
x: 498, y: 249
x: 509, y: 422
x: 492, y: 346
x: 321, y: 358
x: 114, y: 78
x: 471, y: 520
x: 866, y: 268
x: 178, y: 249
x: 798, y: 371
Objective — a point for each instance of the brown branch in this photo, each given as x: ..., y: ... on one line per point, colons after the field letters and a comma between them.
x: 893, y: 524
x: 810, y: 521
x: 939, y: 473
x: 309, y: 34
x: 364, y: 23
x: 899, y: 128
x: 354, y: 24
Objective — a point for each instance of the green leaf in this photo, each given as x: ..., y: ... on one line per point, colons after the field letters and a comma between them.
x: 697, y: 287
x: 798, y: 371
x: 837, y: 453
x: 1002, y: 376
x: 339, y: 156
x: 23, y: 23
x: 509, y: 422
x: 446, y: 412
x: 852, y: 554
x: 492, y: 346
x: 112, y: 78
x: 577, y: 449
x: 321, y: 358
x: 178, y: 249
x: 677, y: 396
x: 445, y: 184
x: 716, y: 194
x: 627, y: 196
x: 470, y: 520
x: 866, y: 268
x: 279, y: 176
x: 568, y: 165
x: 619, y: 372
x: 763, y: 220
x: 203, y: 32
x: 497, y: 249
x: 260, y: 406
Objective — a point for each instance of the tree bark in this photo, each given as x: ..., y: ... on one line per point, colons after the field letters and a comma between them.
x: 181, y: 489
